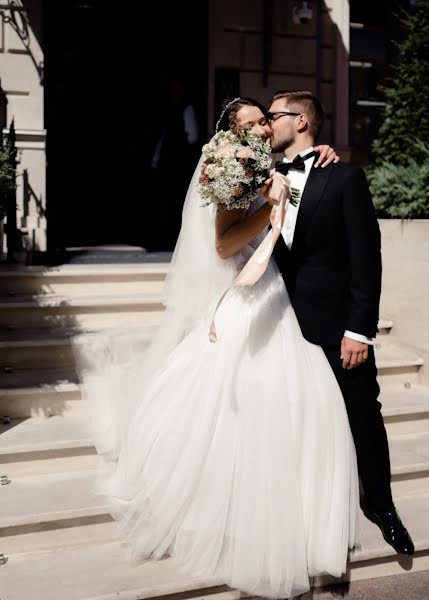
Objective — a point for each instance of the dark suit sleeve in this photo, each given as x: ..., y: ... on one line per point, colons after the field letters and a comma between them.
x: 363, y: 241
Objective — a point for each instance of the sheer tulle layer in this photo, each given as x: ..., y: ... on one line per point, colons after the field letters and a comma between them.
x: 237, y: 458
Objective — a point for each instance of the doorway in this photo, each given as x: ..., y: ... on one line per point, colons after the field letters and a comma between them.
x: 106, y: 67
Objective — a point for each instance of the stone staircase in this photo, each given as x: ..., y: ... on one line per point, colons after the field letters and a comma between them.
x: 57, y: 538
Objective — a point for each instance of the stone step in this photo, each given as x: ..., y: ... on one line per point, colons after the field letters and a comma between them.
x: 42, y: 379
x: 397, y: 364
x: 39, y: 435
x: 408, y: 478
x: 409, y: 454
x: 404, y: 401
x: 409, y: 458
x: 49, y: 349
x: 25, y: 441
x: 384, y: 326
x: 89, y: 303
x: 80, y: 280
x: 48, y: 536
x: 391, y: 355
x: 45, y: 445
x: 92, y: 562
x: 59, y: 460
x: 50, y: 498
x: 406, y: 409
x: 25, y: 393
x: 80, y: 313
x: 102, y: 572
x: 92, y: 287
x: 55, y: 445
x: 47, y: 352
x: 36, y: 392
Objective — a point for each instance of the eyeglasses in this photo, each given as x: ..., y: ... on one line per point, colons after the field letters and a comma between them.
x: 273, y: 116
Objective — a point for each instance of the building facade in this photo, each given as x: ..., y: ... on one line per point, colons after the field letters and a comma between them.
x: 78, y: 111
x: 22, y: 98
x: 257, y: 48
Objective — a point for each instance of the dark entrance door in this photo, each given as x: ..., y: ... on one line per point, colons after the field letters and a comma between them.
x: 107, y: 65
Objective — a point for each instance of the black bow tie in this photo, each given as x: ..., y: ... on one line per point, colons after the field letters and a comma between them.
x: 298, y: 164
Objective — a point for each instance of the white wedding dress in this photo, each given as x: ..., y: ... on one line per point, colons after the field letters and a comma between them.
x: 234, y: 458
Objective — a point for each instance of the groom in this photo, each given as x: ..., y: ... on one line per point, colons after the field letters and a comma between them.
x: 329, y: 256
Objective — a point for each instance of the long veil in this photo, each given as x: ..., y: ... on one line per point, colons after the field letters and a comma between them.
x: 106, y: 361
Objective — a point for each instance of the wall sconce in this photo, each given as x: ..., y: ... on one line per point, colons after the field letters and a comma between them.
x: 302, y: 12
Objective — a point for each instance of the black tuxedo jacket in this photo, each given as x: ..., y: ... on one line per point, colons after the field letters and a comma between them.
x: 333, y: 270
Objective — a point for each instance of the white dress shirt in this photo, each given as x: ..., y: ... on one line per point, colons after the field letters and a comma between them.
x: 298, y: 180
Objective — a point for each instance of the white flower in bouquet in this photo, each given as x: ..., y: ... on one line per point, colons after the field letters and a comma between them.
x: 234, y: 169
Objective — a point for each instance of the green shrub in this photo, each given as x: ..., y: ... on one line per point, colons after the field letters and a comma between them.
x: 407, y: 93
x: 402, y: 191
x: 7, y: 172
x: 7, y: 176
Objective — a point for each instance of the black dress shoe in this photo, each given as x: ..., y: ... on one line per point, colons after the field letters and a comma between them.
x: 392, y: 528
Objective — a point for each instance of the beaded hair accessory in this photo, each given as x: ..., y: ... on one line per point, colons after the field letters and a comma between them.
x: 224, y: 111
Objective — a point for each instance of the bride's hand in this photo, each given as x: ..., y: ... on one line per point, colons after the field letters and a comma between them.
x: 265, y: 191
x: 327, y: 155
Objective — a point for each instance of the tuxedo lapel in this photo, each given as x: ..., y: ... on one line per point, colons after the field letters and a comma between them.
x: 315, y: 186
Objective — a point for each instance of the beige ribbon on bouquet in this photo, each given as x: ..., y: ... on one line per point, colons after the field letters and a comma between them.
x: 258, y: 262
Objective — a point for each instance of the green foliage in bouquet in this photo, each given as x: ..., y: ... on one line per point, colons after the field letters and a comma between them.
x: 402, y: 191
x: 407, y: 94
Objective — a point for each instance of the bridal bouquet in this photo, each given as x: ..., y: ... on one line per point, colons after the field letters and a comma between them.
x: 234, y: 169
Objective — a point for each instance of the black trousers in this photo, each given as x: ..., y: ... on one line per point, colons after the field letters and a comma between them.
x: 360, y: 390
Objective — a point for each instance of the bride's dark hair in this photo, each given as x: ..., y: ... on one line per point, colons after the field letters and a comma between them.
x: 228, y: 118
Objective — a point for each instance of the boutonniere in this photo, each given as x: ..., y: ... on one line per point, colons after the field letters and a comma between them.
x: 295, y: 196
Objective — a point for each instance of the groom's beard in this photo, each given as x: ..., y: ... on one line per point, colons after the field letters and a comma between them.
x: 281, y: 145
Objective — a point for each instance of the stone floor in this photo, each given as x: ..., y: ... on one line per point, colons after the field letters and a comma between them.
x: 413, y: 586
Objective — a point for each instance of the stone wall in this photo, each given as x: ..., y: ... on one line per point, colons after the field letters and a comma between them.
x: 21, y: 65
x: 298, y: 56
x: 405, y: 295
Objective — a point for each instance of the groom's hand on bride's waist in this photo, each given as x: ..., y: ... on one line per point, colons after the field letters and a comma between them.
x: 353, y: 353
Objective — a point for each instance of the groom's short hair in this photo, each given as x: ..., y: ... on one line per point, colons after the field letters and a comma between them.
x: 305, y: 102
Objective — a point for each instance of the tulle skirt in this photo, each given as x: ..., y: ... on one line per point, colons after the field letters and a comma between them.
x: 235, y: 458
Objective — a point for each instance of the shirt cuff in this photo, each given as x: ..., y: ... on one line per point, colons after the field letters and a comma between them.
x: 359, y: 337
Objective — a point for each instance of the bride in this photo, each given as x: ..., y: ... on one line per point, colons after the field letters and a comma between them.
x: 234, y: 458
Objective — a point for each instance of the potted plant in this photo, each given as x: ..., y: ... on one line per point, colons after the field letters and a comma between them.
x: 400, y: 177
x: 7, y: 183
x: 400, y: 184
